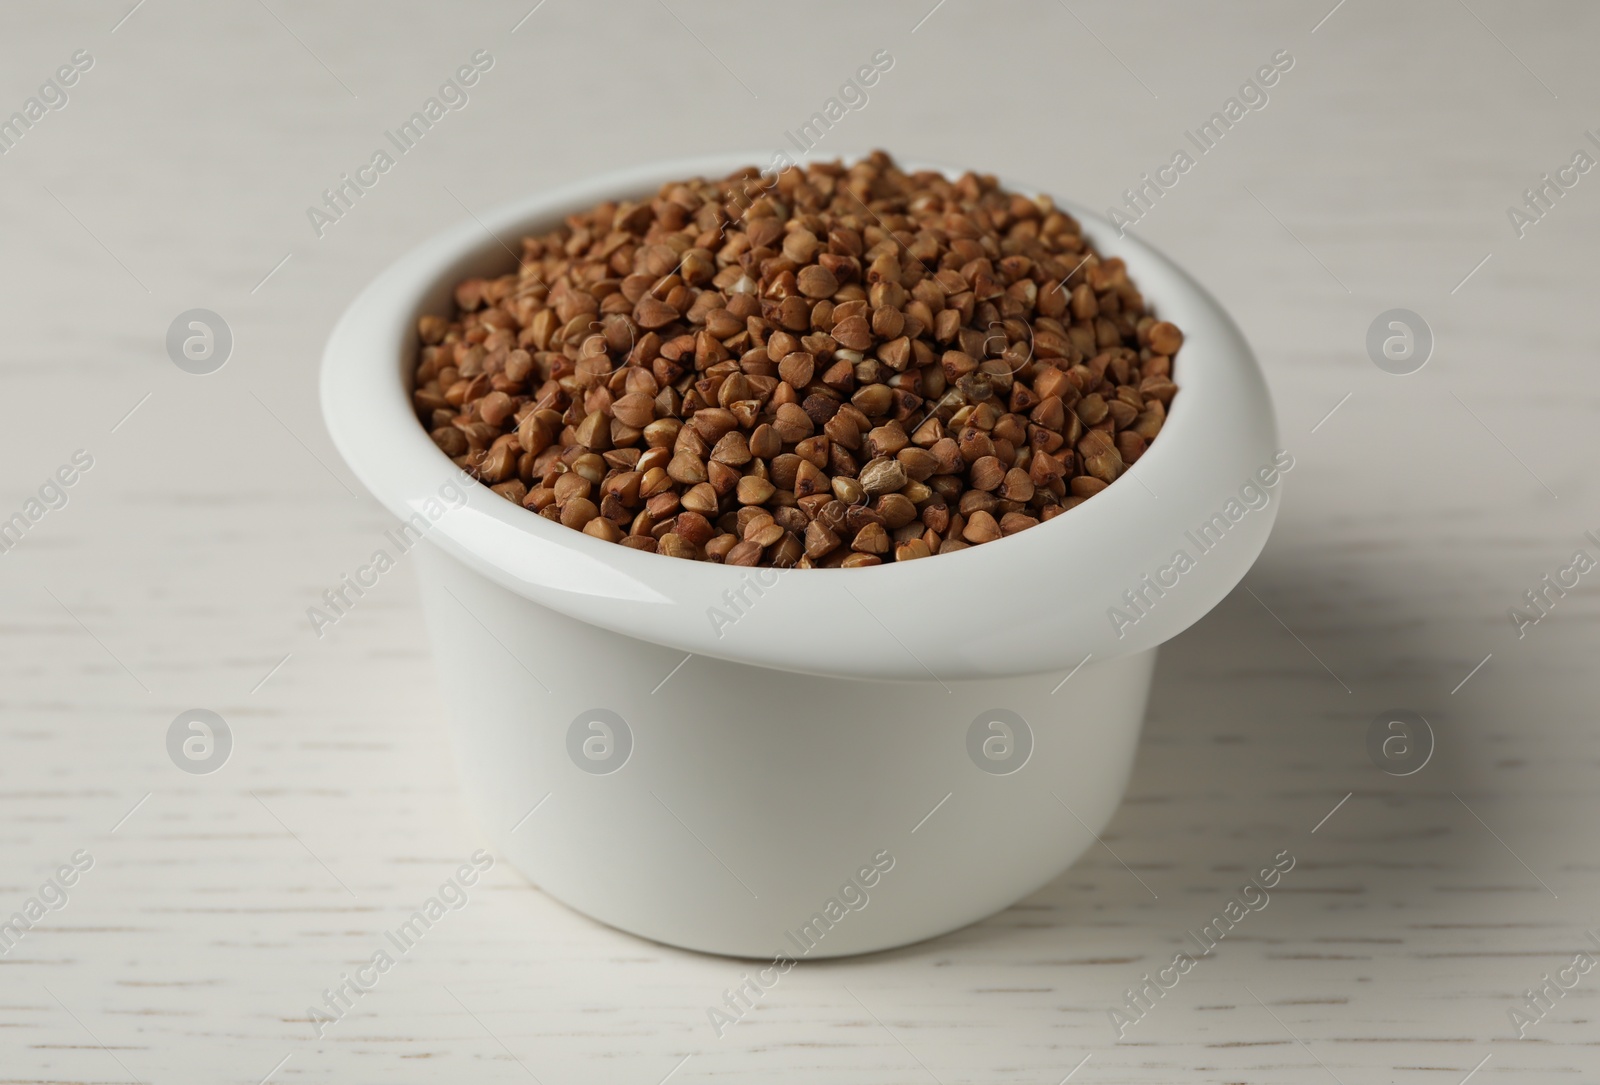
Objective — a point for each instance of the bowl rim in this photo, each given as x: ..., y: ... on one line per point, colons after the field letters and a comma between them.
x: 365, y: 391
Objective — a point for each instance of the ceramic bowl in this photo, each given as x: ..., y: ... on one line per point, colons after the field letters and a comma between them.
x: 860, y: 758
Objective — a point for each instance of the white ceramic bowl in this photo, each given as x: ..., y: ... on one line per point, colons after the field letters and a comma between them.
x: 865, y: 757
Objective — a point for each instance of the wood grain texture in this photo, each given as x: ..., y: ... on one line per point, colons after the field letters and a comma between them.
x: 1419, y: 511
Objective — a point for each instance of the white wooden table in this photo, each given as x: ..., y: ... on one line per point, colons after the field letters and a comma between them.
x: 1420, y: 909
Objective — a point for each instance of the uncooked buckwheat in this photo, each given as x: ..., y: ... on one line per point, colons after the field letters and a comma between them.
x: 847, y: 366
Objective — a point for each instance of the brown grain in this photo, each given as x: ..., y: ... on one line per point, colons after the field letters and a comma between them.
x: 846, y: 366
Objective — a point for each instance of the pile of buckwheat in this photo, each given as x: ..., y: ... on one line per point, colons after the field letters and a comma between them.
x: 841, y: 366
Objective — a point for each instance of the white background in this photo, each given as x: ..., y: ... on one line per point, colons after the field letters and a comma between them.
x: 179, y: 573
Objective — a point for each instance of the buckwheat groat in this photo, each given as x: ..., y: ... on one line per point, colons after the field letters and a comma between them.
x: 841, y: 367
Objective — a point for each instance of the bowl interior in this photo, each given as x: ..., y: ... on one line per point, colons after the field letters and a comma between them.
x: 1037, y: 601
